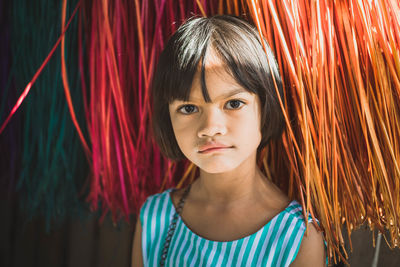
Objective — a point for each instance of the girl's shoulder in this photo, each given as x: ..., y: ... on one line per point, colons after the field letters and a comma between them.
x: 295, y: 210
x: 296, y: 215
x: 156, y: 204
x: 157, y: 196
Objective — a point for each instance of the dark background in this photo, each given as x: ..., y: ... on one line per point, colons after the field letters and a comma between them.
x: 88, y: 243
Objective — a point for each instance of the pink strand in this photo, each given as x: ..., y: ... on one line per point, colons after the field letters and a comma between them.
x: 30, y: 84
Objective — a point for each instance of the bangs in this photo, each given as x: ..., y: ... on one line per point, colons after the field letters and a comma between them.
x: 234, y: 43
x: 179, y: 61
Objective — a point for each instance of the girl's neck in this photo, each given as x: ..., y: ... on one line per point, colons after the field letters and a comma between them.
x: 229, y: 188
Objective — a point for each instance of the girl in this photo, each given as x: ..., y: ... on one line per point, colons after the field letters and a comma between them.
x: 216, y: 105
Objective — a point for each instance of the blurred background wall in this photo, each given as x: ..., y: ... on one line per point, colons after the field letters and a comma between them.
x: 87, y: 243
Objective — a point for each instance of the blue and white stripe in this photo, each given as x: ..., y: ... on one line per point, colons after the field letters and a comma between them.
x: 275, y: 244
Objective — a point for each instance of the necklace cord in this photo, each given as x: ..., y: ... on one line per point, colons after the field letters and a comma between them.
x: 172, y: 226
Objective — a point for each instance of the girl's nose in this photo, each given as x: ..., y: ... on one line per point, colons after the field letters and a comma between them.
x: 212, y: 122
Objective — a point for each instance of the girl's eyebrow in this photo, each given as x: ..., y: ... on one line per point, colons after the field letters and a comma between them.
x: 226, y: 95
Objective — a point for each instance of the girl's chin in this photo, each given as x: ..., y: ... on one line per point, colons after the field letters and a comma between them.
x: 217, y: 166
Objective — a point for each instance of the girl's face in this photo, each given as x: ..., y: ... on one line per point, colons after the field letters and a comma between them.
x: 231, y: 120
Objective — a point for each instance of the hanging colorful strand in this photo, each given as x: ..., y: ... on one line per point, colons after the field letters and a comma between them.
x: 124, y: 40
x: 9, y: 144
x: 52, y: 166
x: 341, y: 66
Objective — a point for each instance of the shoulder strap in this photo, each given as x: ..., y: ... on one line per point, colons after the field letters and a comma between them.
x: 172, y: 226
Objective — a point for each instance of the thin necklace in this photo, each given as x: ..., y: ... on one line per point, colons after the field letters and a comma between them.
x: 172, y: 226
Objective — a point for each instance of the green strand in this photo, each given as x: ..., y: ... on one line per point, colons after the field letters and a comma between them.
x: 53, y: 166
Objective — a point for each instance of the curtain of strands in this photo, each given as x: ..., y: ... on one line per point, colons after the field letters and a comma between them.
x: 339, y: 155
x: 9, y: 144
x: 42, y: 155
x: 341, y: 69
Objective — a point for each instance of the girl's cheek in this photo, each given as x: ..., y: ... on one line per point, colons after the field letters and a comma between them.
x: 184, y: 122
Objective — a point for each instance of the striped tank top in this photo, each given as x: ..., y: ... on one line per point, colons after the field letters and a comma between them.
x: 275, y: 244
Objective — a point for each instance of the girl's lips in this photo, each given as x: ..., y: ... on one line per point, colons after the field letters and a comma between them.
x: 213, y: 147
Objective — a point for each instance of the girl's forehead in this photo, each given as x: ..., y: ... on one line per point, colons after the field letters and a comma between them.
x: 218, y: 78
x: 219, y: 84
x: 212, y: 58
x: 218, y: 81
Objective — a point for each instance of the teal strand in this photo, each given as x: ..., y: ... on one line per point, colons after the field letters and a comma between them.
x: 53, y: 165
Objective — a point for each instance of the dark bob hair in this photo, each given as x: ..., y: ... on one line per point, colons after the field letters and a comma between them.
x: 238, y: 45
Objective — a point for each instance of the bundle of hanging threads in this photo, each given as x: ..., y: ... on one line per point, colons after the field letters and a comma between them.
x: 84, y: 124
x: 45, y: 151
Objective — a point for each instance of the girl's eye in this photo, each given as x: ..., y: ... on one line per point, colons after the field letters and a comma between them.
x: 231, y: 104
x: 235, y: 104
x: 187, y: 109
